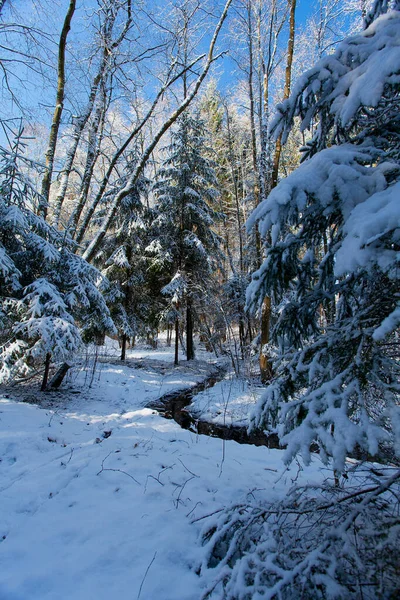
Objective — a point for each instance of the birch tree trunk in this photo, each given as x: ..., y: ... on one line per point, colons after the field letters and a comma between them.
x: 109, y: 47
x: 55, y: 125
x: 79, y: 126
x: 117, y: 155
x: 95, y: 136
x: 96, y: 242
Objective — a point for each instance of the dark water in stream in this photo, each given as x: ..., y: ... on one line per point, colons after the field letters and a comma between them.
x: 173, y: 406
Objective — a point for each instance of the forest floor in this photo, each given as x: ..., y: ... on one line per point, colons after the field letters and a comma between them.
x: 103, y: 498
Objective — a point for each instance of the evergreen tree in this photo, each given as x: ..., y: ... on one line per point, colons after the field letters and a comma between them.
x: 126, y: 263
x: 332, y: 261
x: 332, y: 265
x: 50, y: 298
x: 186, y: 192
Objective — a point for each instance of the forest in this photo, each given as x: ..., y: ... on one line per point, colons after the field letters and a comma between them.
x: 199, y: 299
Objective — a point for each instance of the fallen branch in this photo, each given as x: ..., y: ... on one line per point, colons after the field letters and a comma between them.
x: 145, y: 575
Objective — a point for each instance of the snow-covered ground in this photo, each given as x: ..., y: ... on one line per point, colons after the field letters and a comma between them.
x: 100, y: 497
x: 228, y: 402
x: 161, y: 353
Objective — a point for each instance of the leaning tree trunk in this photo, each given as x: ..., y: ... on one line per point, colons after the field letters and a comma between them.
x: 95, y: 136
x: 114, y: 160
x: 96, y: 242
x: 79, y: 127
x: 58, y: 377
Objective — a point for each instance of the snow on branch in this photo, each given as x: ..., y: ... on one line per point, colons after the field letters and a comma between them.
x: 316, y: 543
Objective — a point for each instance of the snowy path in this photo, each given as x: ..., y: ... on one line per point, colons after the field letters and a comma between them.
x: 88, y: 514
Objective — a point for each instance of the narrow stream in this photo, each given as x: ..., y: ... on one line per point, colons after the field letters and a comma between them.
x: 173, y: 406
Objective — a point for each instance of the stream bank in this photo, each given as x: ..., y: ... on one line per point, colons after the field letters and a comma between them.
x: 174, y: 406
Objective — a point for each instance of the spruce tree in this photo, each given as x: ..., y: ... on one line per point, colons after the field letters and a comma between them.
x: 332, y: 238
x: 125, y: 262
x: 50, y: 298
x: 186, y: 193
x: 332, y: 233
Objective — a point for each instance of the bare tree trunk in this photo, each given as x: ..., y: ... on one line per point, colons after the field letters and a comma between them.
x: 117, y: 155
x: 79, y: 126
x: 241, y: 336
x: 109, y: 46
x: 94, y: 143
x: 189, y: 330
x: 232, y: 162
x: 256, y: 185
x: 249, y: 328
x: 55, y: 125
x: 286, y: 91
x: 176, y: 359
x: 46, y: 372
x: 266, y: 67
x: 265, y: 361
x: 123, y: 346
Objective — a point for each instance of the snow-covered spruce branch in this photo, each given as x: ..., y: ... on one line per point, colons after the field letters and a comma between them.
x: 306, y: 546
x: 331, y: 232
x: 341, y: 84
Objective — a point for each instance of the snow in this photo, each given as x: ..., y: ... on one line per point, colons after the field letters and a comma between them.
x: 229, y: 402
x: 335, y: 171
x: 377, y: 50
x: 163, y: 352
x: 388, y: 325
x: 100, y: 496
x: 376, y: 219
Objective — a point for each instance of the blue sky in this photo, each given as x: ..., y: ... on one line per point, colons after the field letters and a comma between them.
x: 39, y: 97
